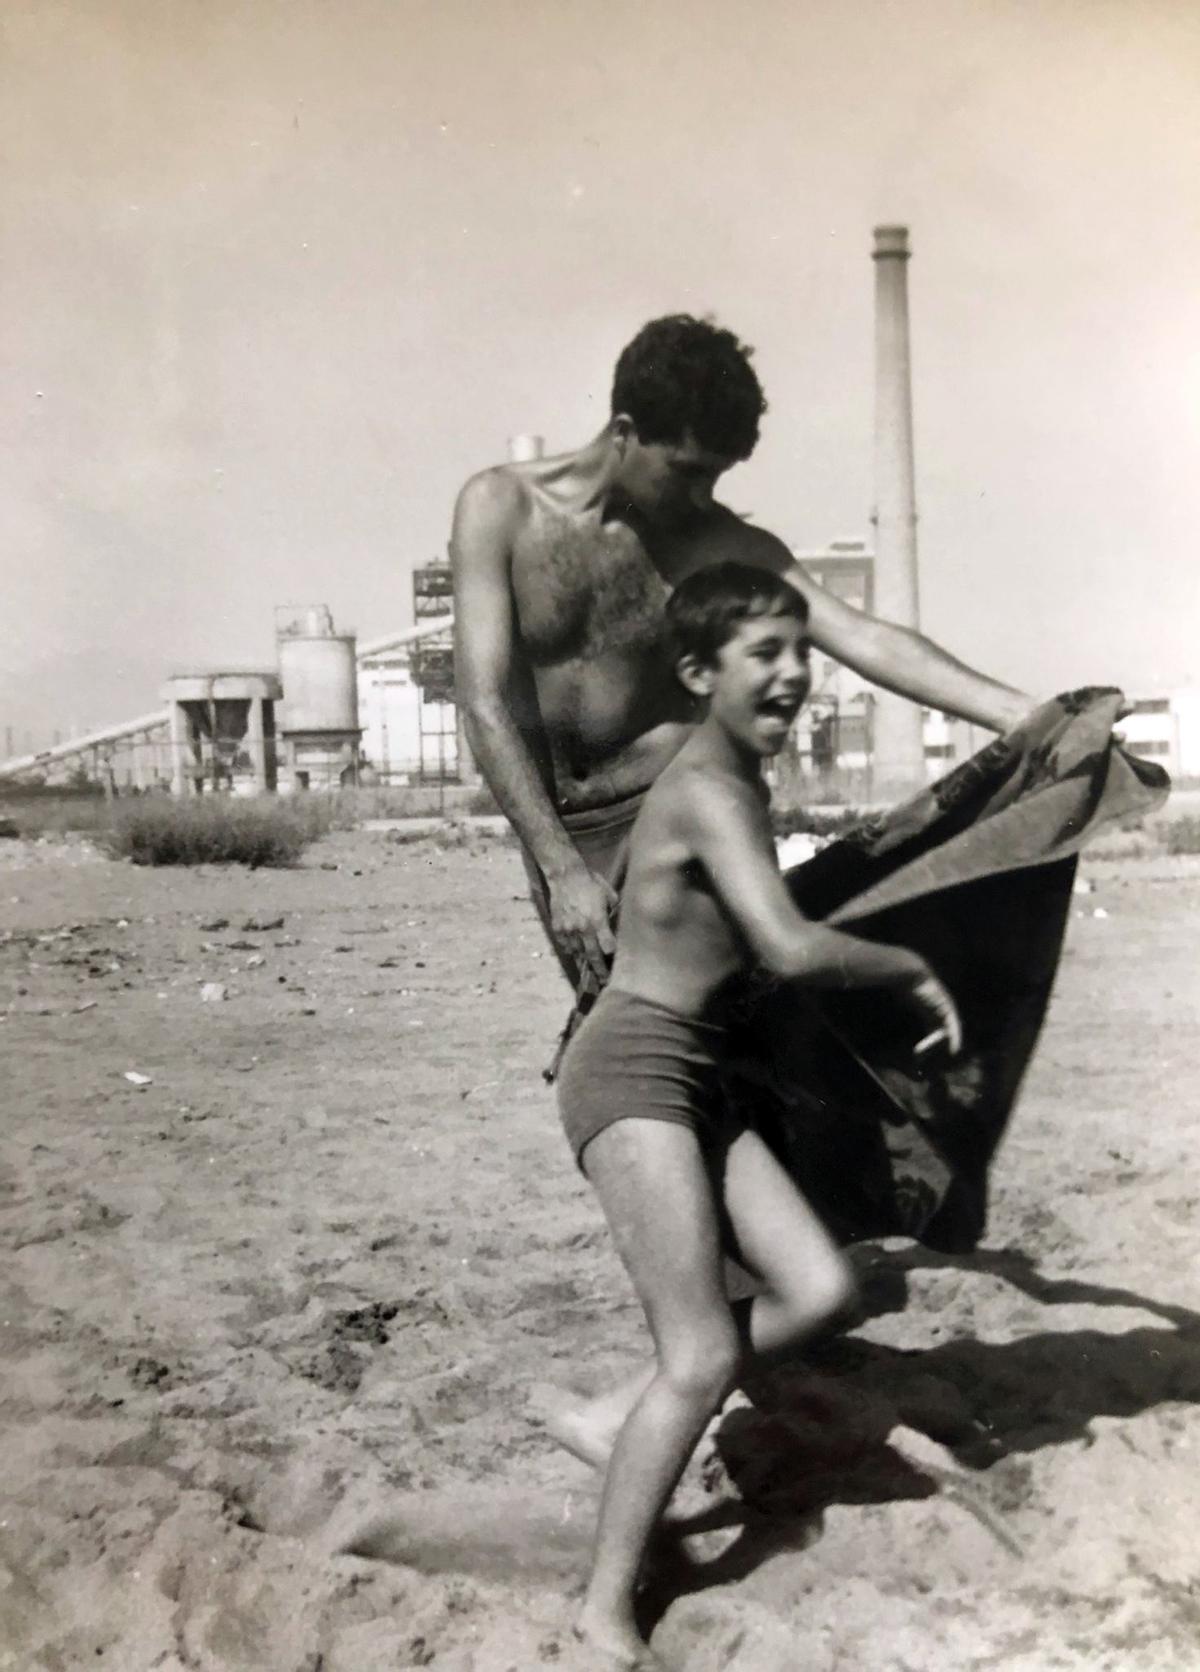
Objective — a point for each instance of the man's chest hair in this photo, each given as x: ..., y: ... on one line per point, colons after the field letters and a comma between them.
x: 583, y: 591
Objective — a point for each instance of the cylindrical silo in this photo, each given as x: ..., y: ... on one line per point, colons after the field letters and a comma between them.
x: 319, y: 674
x: 318, y: 717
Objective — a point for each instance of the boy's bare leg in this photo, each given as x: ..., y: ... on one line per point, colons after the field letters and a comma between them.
x: 781, y: 1239
x: 808, y: 1280
x: 657, y: 1196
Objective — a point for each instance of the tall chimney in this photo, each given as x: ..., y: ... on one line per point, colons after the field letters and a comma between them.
x: 898, y: 749
x: 523, y: 448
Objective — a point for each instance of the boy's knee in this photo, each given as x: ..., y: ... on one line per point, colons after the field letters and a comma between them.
x: 837, y: 1291
x: 829, y: 1293
x: 703, y: 1368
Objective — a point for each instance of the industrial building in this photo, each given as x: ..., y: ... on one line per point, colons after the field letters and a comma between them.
x: 330, y: 714
x: 412, y: 729
x: 834, y: 742
x: 1166, y: 728
x: 222, y: 731
x: 333, y: 712
x: 406, y: 737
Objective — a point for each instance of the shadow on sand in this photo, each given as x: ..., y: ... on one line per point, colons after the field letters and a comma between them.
x: 856, y: 1423
x: 828, y: 1432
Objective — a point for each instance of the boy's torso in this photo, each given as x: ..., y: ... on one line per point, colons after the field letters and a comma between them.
x: 676, y: 944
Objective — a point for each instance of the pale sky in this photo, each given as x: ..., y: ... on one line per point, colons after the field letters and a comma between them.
x: 276, y: 275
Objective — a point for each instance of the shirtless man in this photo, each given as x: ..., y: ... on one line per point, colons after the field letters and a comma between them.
x: 562, y: 568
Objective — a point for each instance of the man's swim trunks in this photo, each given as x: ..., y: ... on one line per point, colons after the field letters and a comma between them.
x: 975, y: 873
x: 634, y: 1058
x: 602, y: 837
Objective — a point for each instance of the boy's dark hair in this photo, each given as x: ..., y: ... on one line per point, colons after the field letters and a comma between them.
x: 682, y: 375
x: 706, y: 609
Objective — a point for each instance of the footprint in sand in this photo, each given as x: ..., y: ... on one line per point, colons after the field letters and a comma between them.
x: 505, y: 1534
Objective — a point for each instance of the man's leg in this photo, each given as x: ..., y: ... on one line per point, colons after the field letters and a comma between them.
x: 657, y: 1196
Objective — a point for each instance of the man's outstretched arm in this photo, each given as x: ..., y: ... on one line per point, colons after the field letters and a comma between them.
x: 903, y: 660
x: 491, y: 685
x: 898, y: 658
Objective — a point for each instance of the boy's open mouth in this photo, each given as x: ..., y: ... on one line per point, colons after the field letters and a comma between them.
x: 780, y: 708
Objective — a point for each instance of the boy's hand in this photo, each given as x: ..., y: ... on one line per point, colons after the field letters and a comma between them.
x: 934, y: 1002
x: 581, y: 905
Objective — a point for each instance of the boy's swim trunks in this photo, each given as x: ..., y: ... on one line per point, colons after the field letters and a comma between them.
x: 633, y: 1058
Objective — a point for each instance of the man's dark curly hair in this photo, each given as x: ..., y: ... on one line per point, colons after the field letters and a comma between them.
x: 682, y: 375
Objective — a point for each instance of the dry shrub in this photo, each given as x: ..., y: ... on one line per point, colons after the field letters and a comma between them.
x: 1183, y: 835
x: 37, y: 811
x: 216, y: 829
x: 483, y: 803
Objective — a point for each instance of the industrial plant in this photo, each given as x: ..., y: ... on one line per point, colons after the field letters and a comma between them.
x: 334, y: 712
x: 330, y: 713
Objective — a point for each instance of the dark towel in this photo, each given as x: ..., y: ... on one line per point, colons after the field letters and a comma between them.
x: 976, y: 874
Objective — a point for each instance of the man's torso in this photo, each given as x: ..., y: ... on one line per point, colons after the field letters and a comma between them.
x: 590, y: 601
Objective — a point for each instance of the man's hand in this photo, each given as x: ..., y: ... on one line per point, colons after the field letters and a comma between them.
x: 581, y: 909
x: 933, y: 1001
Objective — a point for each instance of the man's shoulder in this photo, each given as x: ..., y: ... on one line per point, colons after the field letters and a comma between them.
x: 499, y: 488
x: 491, y: 510
x: 729, y: 534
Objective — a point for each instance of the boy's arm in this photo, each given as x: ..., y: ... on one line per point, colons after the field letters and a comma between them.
x: 731, y: 835
x: 488, y: 673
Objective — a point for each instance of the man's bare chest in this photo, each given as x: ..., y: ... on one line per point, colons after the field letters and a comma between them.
x: 584, y: 591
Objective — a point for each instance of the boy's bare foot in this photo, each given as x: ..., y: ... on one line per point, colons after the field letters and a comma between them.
x: 588, y: 1429
x: 617, y: 1647
x: 582, y: 1427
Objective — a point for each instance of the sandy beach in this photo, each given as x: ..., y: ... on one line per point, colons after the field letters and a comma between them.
x: 271, y: 1314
